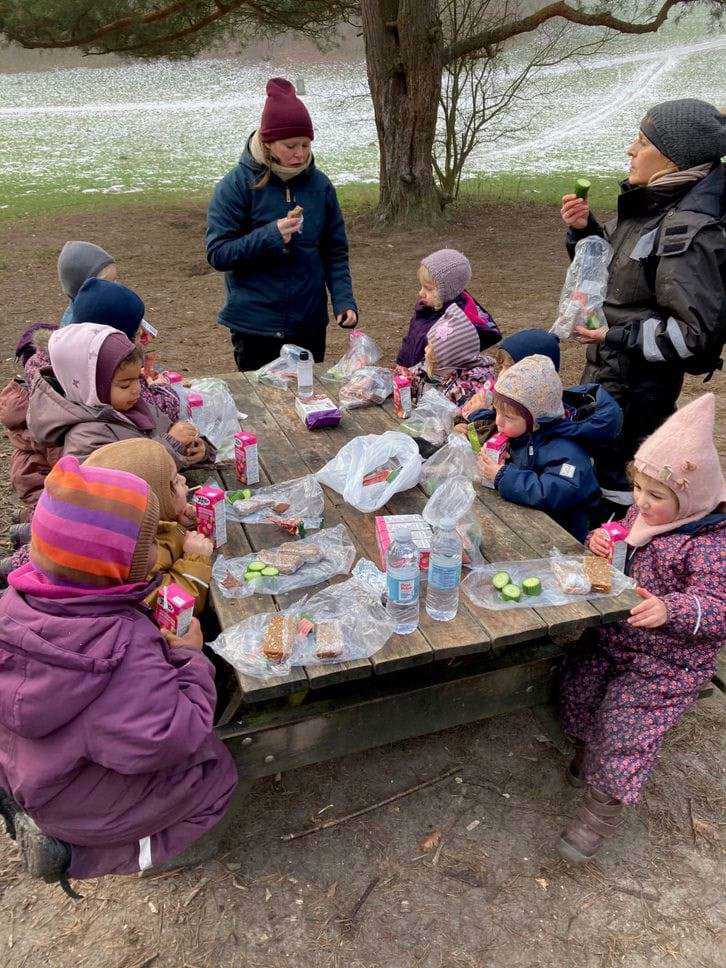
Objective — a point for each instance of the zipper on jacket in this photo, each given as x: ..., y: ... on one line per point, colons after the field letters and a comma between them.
x: 288, y: 195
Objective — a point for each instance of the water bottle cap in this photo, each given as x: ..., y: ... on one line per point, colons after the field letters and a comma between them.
x: 304, y: 356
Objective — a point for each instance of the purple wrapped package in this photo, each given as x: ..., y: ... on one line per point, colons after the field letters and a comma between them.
x: 318, y: 411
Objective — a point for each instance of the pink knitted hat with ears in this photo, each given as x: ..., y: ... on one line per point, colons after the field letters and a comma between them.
x: 683, y: 456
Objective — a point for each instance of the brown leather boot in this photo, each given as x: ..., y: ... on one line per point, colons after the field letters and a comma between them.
x: 598, y: 818
x: 573, y: 774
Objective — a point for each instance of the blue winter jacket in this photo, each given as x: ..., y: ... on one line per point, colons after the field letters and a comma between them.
x: 551, y: 469
x: 274, y: 289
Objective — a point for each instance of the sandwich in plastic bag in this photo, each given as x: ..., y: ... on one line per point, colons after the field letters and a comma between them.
x: 369, y: 470
x: 454, y: 459
x: 368, y: 386
x: 362, y: 351
x: 218, y: 420
x: 432, y: 419
x: 299, y: 499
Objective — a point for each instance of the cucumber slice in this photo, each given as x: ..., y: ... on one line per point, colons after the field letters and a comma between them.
x: 501, y: 580
x: 532, y: 586
x: 511, y: 593
x: 582, y: 187
x: 256, y: 566
x: 269, y: 572
x: 251, y: 575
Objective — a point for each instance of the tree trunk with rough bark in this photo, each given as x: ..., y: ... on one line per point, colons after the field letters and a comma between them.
x: 404, y: 45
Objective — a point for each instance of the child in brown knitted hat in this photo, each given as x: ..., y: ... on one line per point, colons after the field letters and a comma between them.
x: 183, y: 557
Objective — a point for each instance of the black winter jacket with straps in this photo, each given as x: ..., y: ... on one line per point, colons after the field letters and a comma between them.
x: 666, y: 297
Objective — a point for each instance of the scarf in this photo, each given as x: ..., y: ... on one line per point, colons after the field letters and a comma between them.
x: 673, y: 179
x: 257, y: 150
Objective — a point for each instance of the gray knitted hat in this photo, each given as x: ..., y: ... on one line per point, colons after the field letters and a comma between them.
x: 450, y: 271
x: 79, y: 261
x: 688, y: 131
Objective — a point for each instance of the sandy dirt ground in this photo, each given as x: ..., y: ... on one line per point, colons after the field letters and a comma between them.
x: 463, y: 874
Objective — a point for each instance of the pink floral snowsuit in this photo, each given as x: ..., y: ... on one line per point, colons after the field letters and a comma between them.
x: 622, y: 692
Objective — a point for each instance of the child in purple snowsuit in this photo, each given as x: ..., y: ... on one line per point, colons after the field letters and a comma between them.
x: 108, y: 759
x: 443, y: 276
x: 622, y: 693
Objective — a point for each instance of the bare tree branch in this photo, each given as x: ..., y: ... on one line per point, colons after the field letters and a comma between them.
x: 497, y: 35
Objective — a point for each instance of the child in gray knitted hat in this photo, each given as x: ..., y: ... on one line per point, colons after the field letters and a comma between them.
x: 78, y: 262
x: 443, y: 277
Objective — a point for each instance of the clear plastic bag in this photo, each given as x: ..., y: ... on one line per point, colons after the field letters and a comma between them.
x: 281, y: 372
x: 300, y: 499
x: 585, y: 286
x: 479, y: 588
x: 368, y: 386
x: 454, y: 459
x: 300, y: 564
x: 432, y: 419
x: 369, y: 470
x: 362, y: 351
x: 218, y: 421
x: 453, y: 502
x: 338, y: 624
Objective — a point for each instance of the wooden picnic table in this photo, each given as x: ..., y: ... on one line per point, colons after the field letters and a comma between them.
x: 481, y: 663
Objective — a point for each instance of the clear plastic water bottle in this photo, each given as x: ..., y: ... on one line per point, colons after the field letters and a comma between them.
x: 444, y: 575
x: 305, y: 376
x: 403, y: 580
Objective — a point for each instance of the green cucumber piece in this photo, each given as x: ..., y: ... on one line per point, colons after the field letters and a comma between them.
x: 269, y: 572
x: 582, y: 187
x: 511, y: 593
x: 473, y: 438
x: 501, y: 580
x: 251, y: 575
x: 256, y: 566
x: 532, y: 586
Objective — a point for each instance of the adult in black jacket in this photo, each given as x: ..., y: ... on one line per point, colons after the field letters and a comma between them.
x: 666, y: 297
x: 277, y: 262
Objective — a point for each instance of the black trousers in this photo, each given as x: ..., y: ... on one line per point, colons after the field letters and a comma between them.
x: 251, y: 351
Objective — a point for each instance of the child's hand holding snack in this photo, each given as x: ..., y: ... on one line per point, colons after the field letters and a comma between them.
x: 192, y: 640
x: 600, y: 543
x: 198, y: 544
x: 188, y: 517
x: 183, y: 432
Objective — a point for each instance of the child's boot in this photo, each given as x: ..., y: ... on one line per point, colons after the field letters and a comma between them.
x: 574, y: 770
x: 8, y: 810
x: 598, y: 818
x: 43, y: 856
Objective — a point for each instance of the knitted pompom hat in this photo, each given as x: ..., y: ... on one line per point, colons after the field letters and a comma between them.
x: 450, y: 270
x: 454, y: 341
x: 683, y: 456
x: 534, y: 384
x: 148, y: 460
x: 284, y: 114
x: 93, y: 527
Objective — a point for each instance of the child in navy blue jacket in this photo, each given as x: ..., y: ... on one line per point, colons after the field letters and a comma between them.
x: 549, y: 466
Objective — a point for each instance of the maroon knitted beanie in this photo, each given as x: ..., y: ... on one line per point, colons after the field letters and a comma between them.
x: 284, y: 115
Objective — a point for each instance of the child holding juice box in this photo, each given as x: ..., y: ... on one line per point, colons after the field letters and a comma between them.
x: 183, y: 557
x: 548, y: 466
x: 625, y: 688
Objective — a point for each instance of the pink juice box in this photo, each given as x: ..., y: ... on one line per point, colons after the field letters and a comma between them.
x: 497, y: 447
x: 389, y: 526
x: 245, y: 457
x: 211, y: 513
x: 619, y: 551
x: 174, y: 609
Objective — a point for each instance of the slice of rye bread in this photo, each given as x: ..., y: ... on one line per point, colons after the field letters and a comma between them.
x: 328, y: 639
x: 279, y: 637
x: 598, y: 573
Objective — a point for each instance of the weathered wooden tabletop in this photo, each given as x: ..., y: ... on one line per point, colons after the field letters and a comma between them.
x: 287, y: 450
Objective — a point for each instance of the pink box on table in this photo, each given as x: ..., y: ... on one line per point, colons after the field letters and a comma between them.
x: 211, y: 513
x: 617, y: 533
x: 246, y: 458
x: 388, y: 526
x: 174, y: 609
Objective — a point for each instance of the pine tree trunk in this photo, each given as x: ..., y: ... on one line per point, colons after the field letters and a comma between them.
x: 404, y: 45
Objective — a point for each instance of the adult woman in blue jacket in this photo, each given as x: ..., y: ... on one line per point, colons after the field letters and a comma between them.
x: 275, y: 229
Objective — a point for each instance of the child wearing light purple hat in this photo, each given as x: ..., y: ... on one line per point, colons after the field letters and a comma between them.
x: 443, y: 276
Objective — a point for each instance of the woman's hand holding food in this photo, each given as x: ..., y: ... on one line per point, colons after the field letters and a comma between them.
x: 575, y: 211
x: 288, y: 226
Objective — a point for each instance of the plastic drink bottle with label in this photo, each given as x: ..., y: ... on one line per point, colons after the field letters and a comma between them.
x: 444, y: 575
x: 403, y: 580
x: 305, y: 376
x: 176, y: 384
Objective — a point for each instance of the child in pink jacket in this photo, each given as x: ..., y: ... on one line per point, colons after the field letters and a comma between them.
x: 622, y: 693
x: 108, y: 760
